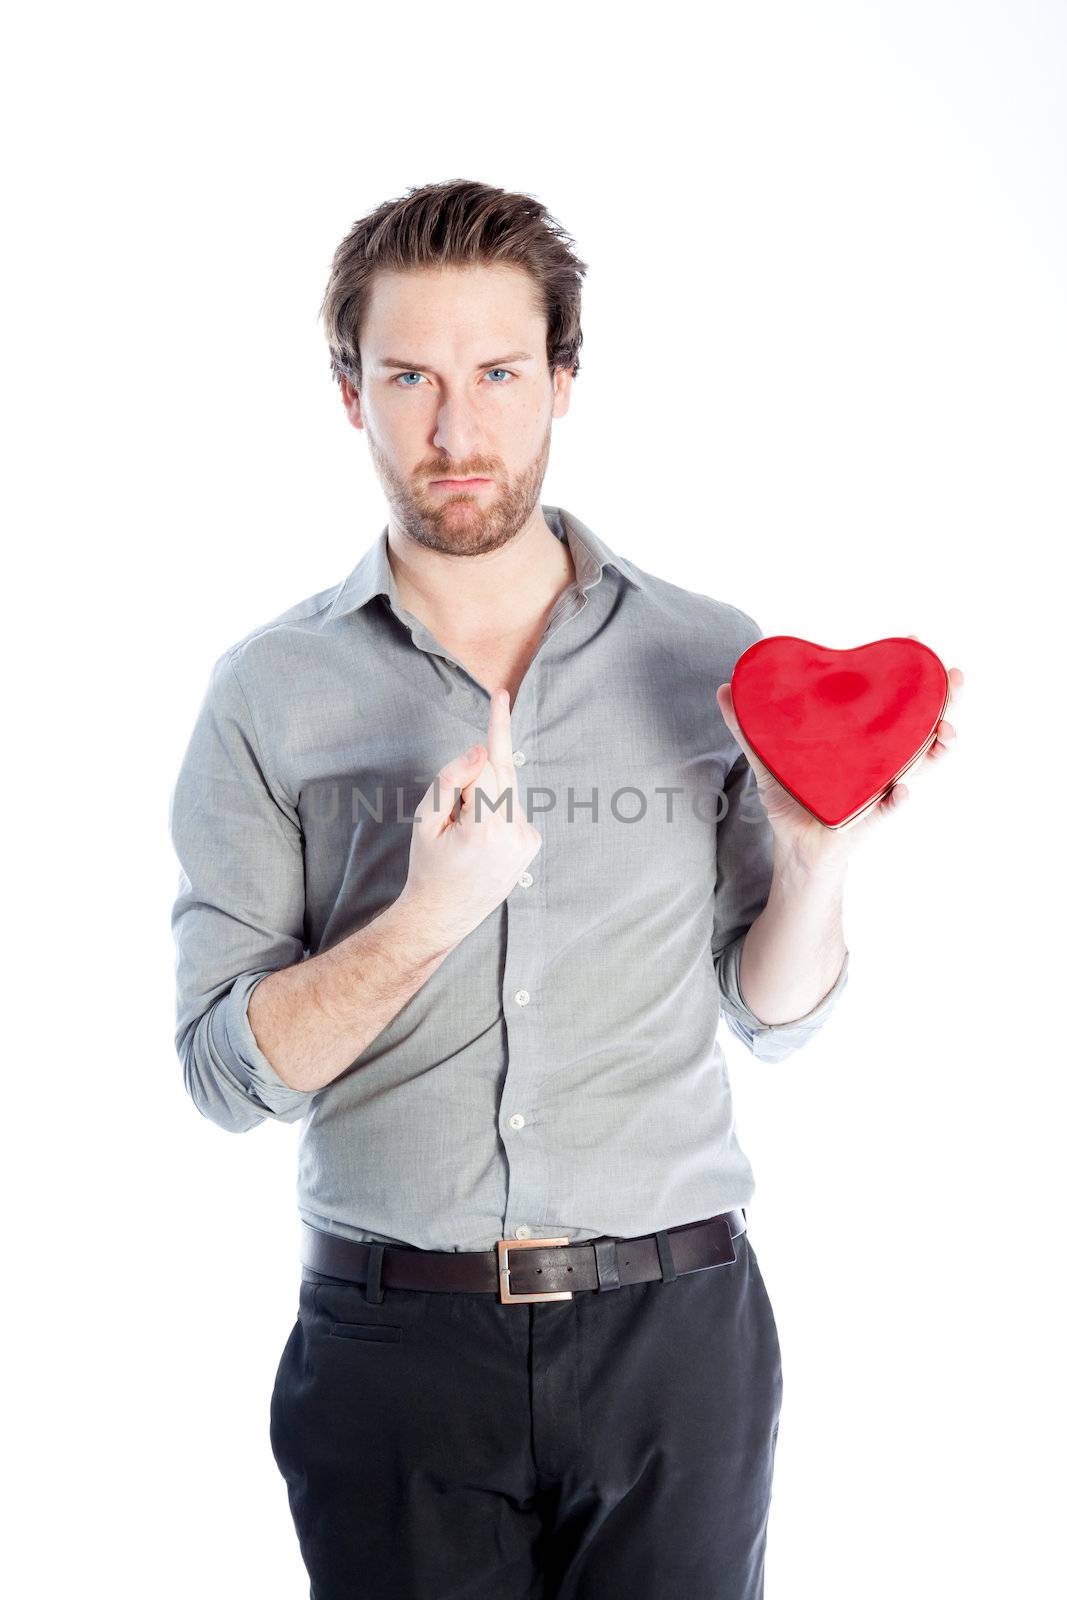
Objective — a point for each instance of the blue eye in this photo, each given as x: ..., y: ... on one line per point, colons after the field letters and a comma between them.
x: 400, y: 376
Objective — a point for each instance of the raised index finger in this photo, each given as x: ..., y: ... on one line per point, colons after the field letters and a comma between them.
x: 501, y: 763
x: 498, y: 742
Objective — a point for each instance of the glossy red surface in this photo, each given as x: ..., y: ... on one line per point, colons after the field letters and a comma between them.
x: 838, y: 727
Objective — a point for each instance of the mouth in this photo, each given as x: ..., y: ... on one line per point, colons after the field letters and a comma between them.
x: 459, y: 483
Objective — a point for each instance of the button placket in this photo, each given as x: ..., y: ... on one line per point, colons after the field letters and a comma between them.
x: 523, y: 967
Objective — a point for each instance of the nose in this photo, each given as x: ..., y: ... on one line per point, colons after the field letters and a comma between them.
x: 457, y: 432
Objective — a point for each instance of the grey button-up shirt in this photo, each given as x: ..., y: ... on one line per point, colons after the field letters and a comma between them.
x: 559, y: 1073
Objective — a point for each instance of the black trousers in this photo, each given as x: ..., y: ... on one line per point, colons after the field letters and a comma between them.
x: 617, y: 1446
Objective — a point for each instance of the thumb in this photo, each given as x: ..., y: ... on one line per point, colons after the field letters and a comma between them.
x: 725, y: 696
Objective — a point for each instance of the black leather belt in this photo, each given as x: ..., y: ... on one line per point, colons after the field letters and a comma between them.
x: 519, y: 1271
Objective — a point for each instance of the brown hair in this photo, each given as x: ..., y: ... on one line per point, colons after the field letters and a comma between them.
x: 456, y: 223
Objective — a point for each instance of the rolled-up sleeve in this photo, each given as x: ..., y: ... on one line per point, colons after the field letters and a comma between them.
x: 744, y: 868
x: 239, y: 913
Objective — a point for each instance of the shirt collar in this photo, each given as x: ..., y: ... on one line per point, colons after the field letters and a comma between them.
x: 373, y: 575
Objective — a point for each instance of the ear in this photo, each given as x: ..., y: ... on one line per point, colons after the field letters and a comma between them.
x: 350, y: 397
x: 562, y: 379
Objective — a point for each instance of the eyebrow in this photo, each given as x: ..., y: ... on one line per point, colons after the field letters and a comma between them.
x: 420, y: 366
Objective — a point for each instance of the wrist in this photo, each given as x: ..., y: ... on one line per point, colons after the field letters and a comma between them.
x: 807, y: 867
x: 413, y: 930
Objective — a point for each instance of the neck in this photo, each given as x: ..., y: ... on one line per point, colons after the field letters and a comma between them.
x: 496, y: 592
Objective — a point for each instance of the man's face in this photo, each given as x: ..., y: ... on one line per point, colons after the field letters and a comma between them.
x: 456, y: 385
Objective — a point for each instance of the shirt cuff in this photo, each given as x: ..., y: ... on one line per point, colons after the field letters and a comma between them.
x: 770, y: 1041
x: 247, y: 1061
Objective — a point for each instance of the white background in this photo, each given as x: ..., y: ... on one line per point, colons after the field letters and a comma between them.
x: 823, y: 378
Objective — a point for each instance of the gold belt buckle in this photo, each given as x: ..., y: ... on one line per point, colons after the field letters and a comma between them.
x: 506, y: 1296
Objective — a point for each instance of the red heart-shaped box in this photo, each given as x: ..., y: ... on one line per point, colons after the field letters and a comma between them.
x: 838, y: 728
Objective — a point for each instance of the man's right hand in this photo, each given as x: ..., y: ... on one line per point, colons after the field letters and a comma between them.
x: 460, y: 870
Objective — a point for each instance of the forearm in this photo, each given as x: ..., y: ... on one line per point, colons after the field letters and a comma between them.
x: 313, y: 1019
x: 793, y: 953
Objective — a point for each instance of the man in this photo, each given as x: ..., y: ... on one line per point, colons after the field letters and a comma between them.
x: 533, y: 1341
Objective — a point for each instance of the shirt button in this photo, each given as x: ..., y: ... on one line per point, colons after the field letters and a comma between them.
x: 522, y: 998
x: 518, y: 758
x: 522, y: 1231
x: 526, y: 879
x: 517, y: 1121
